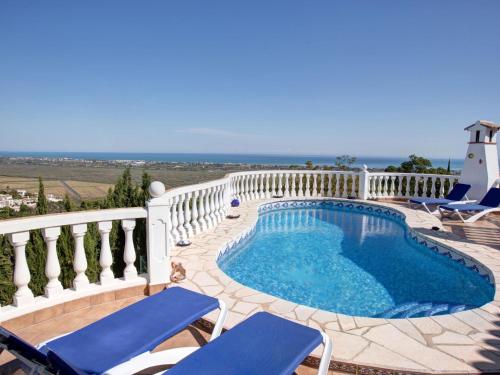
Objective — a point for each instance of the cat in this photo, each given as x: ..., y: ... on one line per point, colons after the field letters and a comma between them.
x: 178, y: 272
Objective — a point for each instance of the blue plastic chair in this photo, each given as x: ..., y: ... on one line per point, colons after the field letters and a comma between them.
x: 457, y: 194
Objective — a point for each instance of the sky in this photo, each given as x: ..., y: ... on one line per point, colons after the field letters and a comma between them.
x: 367, y: 78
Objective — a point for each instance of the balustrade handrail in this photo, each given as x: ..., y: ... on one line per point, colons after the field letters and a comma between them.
x: 412, y: 174
x: 288, y: 171
x: 190, y: 188
x: 70, y: 218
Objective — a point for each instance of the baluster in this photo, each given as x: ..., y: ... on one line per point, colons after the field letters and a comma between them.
x: 329, y: 192
x: 237, y: 187
x: 129, y: 256
x: 187, y: 215
x: 301, y: 187
x: 222, y: 202
x: 202, y: 214
x: 211, y: 205
x: 280, y: 184
x: 52, y: 267
x: 384, y: 186
x: 392, y: 183
x: 252, y: 186
x: 194, y: 213
x: 247, y: 187
x: 322, y: 185
x: 399, y: 191
x: 208, y: 218
x: 308, y: 191
x: 315, y: 185
x: 174, y: 219
x: 344, y: 190
x: 441, y: 187
x: 268, y: 186
x: 337, y: 185
x: 23, y: 295
x: 408, y: 186
x: 273, y: 188
x: 105, y: 258
x: 433, y: 187
x: 262, y: 192
x: 81, y: 280
x: 217, y: 216
x: 415, y: 193
x: 293, y: 192
x: 180, y: 218
x: 287, y: 186
x: 378, y: 186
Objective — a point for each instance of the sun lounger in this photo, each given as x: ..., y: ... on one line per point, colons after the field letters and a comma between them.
x: 456, y: 195
x: 488, y: 204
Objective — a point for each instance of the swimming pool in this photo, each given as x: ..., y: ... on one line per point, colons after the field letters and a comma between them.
x: 351, y: 259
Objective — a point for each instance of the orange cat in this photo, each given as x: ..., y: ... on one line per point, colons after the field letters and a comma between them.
x: 178, y: 272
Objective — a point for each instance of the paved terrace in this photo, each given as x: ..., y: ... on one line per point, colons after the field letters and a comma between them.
x: 467, y: 342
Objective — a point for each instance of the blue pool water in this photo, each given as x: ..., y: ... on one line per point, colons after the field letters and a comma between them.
x: 354, y: 263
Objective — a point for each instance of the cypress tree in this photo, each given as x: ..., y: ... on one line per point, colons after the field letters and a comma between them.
x: 7, y: 287
x: 65, y: 246
x: 42, y: 207
x: 35, y: 248
x: 448, y: 170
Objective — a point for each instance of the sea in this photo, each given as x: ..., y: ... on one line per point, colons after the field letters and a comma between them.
x: 262, y: 159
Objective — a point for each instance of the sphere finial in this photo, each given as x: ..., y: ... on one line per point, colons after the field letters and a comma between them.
x: 156, y: 189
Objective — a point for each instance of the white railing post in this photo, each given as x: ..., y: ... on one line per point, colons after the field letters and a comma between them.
x: 105, y: 258
x: 158, y: 234
x: 24, y: 295
x: 81, y: 280
x: 52, y: 267
x: 364, y: 186
x: 130, y: 272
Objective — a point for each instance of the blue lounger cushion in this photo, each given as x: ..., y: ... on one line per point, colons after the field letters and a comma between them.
x: 464, y: 207
x: 431, y: 201
x: 131, y: 331
x: 456, y: 194
x: 261, y: 344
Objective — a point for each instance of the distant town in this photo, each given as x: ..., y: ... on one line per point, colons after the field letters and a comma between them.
x: 17, y: 198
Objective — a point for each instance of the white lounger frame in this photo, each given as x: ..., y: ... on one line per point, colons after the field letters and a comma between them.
x: 142, y: 361
x: 470, y: 219
x: 326, y: 355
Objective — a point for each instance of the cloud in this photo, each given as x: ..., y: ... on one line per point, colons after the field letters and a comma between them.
x: 211, y: 132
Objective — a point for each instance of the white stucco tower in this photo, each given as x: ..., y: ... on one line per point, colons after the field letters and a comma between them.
x: 481, y: 161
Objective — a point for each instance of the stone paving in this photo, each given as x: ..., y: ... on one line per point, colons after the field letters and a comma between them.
x: 465, y: 342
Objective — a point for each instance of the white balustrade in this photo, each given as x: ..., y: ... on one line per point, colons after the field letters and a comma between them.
x: 183, y: 212
x: 407, y: 185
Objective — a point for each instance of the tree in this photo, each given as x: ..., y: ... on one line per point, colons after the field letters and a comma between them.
x: 42, y: 206
x: 344, y: 162
x: 448, y: 169
x: 309, y: 164
x: 415, y: 164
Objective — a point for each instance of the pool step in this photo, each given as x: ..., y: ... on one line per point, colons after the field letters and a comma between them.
x: 421, y: 309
